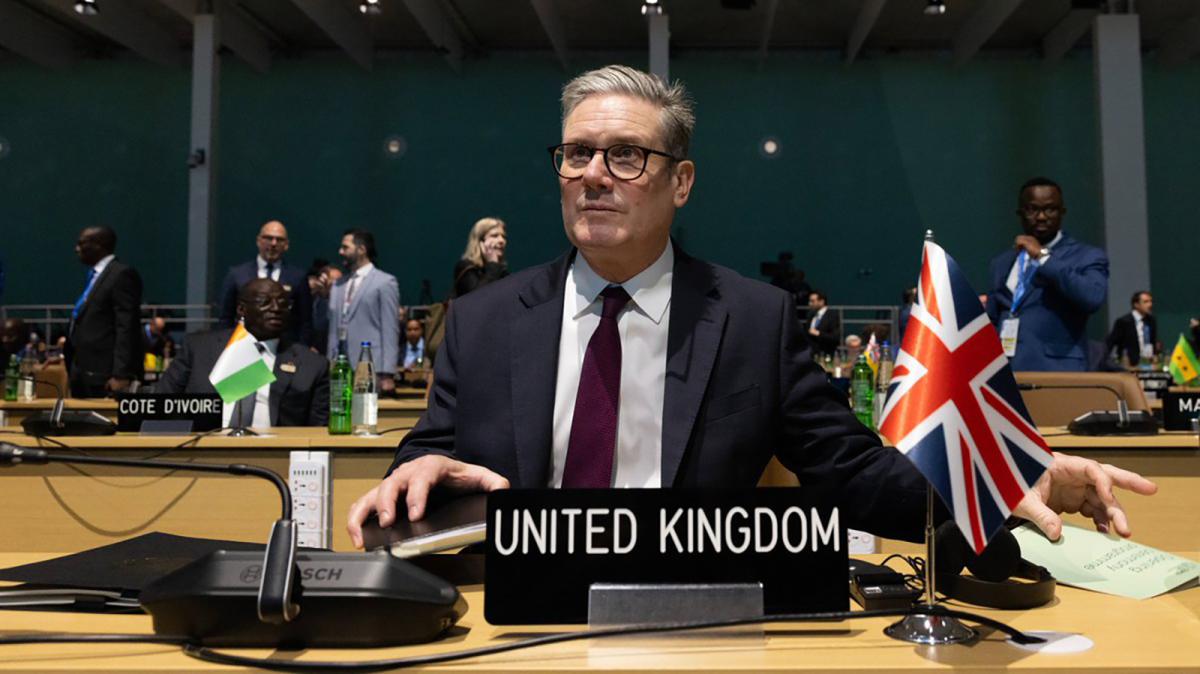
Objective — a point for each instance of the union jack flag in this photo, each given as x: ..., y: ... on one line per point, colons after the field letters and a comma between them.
x: 953, y: 406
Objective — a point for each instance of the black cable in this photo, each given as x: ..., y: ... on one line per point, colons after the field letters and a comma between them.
x: 208, y: 655
x: 68, y: 638
x: 394, y: 430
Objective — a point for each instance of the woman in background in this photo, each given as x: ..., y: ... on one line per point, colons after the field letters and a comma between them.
x: 483, y: 260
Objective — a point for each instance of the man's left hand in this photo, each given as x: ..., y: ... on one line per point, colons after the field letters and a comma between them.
x: 117, y: 384
x: 1032, y: 246
x: 1073, y: 484
x: 387, y: 384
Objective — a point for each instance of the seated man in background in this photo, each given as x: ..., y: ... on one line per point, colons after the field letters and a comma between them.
x: 299, y: 396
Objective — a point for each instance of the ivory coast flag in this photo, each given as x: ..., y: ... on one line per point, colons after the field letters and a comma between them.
x: 1184, y: 366
x: 240, y: 369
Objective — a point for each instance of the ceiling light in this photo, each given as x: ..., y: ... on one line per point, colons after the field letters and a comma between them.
x: 87, y: 7
x: 935, y: 8
x: 651, y: 7
x: 370, y: 7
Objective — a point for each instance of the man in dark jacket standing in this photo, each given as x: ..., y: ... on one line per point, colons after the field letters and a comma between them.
x: 272, y: 242
x: 104, y: 339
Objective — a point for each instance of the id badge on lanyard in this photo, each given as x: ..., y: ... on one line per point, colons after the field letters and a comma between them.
x: 1008, y: 335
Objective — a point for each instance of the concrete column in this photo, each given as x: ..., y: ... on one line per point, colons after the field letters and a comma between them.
x: 1118, y: 66
x: 660, y: 43
x: 206, y: 67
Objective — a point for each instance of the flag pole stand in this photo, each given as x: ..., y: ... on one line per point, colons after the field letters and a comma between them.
x: 929, y: 625
x: 238, y: 430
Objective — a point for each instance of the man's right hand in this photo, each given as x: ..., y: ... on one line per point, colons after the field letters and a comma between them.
x: 409, y: 485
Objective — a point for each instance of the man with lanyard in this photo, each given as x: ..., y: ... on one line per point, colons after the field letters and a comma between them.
x: 1044, y: 289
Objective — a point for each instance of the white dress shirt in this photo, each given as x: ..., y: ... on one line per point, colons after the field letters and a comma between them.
x: 262, y: 397
x: 643, y: 326
x: 262, y: 268
x: 353, y: 285
x: 816, y: 319
x: 1139, y: 325
x: 100, y: 266
x: 1015, y: 272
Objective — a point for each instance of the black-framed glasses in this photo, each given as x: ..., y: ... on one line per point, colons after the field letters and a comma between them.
x: 623, y: 160
x: 1031, y: 211
x: 278, y: 302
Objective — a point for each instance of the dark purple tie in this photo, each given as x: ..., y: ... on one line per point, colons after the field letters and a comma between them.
x: 594, y: 425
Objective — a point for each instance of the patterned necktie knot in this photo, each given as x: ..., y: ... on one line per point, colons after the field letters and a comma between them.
x: 615, y: 299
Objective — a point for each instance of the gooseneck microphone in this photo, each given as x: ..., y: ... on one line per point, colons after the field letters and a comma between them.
x: 1123, y: 422
x: 275, y: 593
x: 252, y: 599
x: 58, y: 422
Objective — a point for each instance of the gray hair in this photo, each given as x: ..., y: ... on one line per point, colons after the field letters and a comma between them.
x: 677, y: 117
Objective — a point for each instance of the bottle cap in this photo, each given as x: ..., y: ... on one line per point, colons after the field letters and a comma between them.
x: 365, y: 344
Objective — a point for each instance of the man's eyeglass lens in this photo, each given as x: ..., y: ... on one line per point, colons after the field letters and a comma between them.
x: 626, y: 162
x: 1032, y: 211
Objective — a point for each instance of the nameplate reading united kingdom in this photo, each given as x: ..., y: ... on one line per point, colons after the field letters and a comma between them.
x: 546, y: 547
x: 175, y: 412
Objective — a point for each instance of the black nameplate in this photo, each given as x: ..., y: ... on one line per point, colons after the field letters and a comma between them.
x: 1179, y: 408
x: 546, y: 547
x: 150, y: 410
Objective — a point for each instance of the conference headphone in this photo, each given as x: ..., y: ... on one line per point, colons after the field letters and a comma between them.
x: 990, y: 581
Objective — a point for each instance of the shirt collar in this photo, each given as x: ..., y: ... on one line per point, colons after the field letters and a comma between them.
x: 1057, y: 238
x: 271, y: 345
x: 100, y: 266
x: 362, y: 271
x: 650, y: 289
x: 262, y: 264
x: 1137, y: 315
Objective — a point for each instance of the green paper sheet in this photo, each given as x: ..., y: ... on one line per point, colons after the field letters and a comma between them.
x: 1106, y: 563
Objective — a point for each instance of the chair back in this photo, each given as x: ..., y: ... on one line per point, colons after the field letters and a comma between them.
x: 1058, y: 406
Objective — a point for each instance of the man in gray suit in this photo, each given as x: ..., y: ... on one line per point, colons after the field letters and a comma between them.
x: 365, y: 304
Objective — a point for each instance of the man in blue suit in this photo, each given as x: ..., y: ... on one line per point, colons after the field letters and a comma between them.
x: 272, y: 242
x: 1046, y: 286
x: 628, y: 363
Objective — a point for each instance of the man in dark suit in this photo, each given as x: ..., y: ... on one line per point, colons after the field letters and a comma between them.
x: 103, y: 351
x: 1134, y: 336
x: 299, y: 396
x: 1046, y: 286
x: 824, y: 326
x: 625, y: 362
x: 272, y: 243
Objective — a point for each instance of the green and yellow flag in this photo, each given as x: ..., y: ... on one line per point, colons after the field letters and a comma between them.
x: 1184, y: 366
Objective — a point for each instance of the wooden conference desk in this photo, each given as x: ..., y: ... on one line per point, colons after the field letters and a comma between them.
x: 1154, y: 635
x: 60, y: 508
x: 63, y: 509
x: 409, y: 404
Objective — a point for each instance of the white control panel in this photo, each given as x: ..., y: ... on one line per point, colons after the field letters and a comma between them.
x: 311, y: 482
x: 862, y: 543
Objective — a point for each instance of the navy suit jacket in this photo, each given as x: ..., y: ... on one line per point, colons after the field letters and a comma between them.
x: 291, y: 278
x: 1069, y: 287
x: 741, y: 386
x: 299, y: 394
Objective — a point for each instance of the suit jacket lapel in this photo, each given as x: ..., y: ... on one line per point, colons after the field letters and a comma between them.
x: 283, y: 379
x: 534, y: 336
x: 693, y: 339
x: 102, y: 278
x: 360, y: 290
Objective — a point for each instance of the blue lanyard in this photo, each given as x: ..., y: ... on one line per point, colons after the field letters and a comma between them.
x: 1023, y: 281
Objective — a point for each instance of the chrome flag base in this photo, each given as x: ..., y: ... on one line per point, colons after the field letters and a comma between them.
x: 931, y: 629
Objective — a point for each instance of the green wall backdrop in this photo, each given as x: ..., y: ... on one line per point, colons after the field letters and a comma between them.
x: 872, y: 155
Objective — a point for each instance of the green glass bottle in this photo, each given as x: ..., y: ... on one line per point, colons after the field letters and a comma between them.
x: 862, y: 391
x: 341, y: 392
x: 11, y: 376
